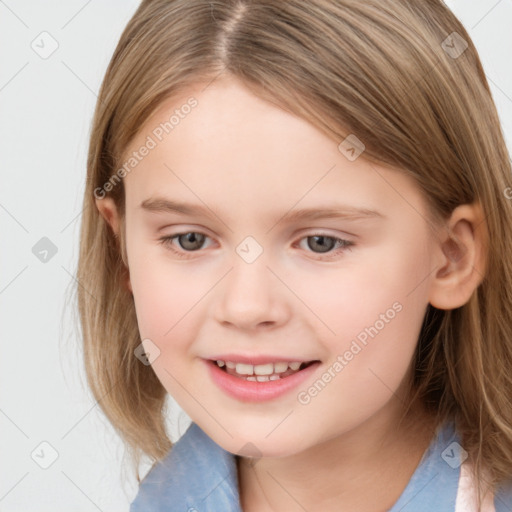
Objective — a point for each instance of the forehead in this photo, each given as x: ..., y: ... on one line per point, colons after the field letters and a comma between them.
x: 224, y: 146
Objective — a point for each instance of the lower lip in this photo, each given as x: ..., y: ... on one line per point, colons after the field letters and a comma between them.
x: 251, y: 391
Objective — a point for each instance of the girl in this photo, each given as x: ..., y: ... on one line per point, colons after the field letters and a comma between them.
x: 297, y: 222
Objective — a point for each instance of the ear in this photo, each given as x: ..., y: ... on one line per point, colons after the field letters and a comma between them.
x: 108, y: 210
x: 460, y: 258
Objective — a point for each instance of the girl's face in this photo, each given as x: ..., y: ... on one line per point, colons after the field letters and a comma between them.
x: 256, y: 281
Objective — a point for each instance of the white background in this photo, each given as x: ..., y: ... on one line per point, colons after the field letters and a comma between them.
x: 46, y: 107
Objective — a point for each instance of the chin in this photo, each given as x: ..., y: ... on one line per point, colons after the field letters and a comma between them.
x: 258, y: 446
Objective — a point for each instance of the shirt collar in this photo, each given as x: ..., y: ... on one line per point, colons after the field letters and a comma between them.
x: 199, y: 475
x: 434, y: 483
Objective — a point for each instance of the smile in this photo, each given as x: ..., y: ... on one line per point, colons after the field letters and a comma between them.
x: 262, y: 372
x: 247, y: 382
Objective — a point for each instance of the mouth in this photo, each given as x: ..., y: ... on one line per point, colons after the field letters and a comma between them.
x: 268, y: 379
x: 262, y: 372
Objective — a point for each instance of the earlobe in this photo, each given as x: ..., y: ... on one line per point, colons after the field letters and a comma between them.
x: 461, y: 261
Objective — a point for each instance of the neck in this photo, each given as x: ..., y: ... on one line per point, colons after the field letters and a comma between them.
x: 364, y: 469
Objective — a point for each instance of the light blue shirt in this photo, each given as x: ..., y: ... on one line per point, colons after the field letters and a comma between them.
x: 197, y: 475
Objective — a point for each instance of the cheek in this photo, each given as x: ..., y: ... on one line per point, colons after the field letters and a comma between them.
x: 370, y: 313
x: 349, y: 297
x: 154, y: 289
x: 168, y: 303
x: 368, y: 357
x: 168, y: 297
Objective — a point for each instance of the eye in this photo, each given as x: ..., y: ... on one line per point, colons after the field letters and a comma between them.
x: 193, y: 241
x: 189, y: 242
x: 322, y: 244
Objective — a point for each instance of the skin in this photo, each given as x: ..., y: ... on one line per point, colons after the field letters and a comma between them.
x: 251, y: 162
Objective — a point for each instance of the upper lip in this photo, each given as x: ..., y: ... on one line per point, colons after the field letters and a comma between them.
x: 258, y: 359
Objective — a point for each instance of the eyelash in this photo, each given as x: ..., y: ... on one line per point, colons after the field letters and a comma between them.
x: 166, y: 241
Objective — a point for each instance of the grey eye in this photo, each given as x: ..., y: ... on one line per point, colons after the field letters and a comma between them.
x: 321, y: 243
x: 191, y: 241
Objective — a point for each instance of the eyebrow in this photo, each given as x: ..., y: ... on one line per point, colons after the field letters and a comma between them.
x: 161, y: 205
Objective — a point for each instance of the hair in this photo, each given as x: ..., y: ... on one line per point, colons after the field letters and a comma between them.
x: 374, y: 68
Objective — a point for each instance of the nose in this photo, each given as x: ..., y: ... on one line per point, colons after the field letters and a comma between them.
x: 252, y: 297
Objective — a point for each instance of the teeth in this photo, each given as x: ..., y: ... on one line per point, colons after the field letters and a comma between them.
x: 268, y: 370
x: 264, y: 369
x: 280, y: 367
x: 244, y: 369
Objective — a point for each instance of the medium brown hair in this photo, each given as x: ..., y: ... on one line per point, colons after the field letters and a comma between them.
x: 382, y: 70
